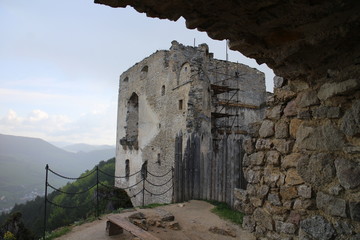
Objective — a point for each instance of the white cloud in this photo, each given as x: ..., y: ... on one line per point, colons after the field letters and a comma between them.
x: 25, y: 95
x: 97, y: 127
x: 38, y: 115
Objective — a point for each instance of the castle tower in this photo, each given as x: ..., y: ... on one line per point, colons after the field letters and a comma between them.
x: 185, y: 111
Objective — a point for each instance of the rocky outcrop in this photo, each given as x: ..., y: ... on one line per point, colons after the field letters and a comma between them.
x: 295, y: 38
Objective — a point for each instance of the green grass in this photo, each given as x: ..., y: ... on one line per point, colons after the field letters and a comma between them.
x: 58, y: 233
x: 154, y: 205
x: 224, y: 211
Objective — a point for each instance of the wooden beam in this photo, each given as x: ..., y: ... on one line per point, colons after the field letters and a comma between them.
x: 131, y: 228
x: 237, y: 104
x: 218, y: 89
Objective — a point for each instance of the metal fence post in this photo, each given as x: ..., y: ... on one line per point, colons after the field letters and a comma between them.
x: 97, y: 191
x: 143, y: 191
x: 46, y: 185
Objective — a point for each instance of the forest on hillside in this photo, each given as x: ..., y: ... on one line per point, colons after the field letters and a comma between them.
x: 26, y: 221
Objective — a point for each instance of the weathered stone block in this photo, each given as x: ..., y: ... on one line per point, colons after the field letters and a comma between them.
x: 303, y: 204
x: 294, y: 218
x: 273, y: 157
x: 294, y: 125
x: 266, y: 129
x: 348, y: 173
x: 298, y: 85
x: 246, y: 208
x: 306, y: 99
x: 291, y: 160
x: 331, y: 205
x: 283, y: 95
x: 253, y: 176
x: 273, y: 236
x: 287, y: 204
x: 355, y: 237
x: 332, y: 89
x: 316, y: 170
x: 290, y: 109
x: 355, y: 211
x: 260, y: 231
x: 248, y: 146
x: 335, y: 190
x: 323, y: 138
x: 257, y: 159
x: 304, y: 191
x: 351, y: 120
x: 326, y: 112
x: 249, y: 223
x: 251, y: 189
x: 293, y: 178
x: 263, y: 218
x: 263, y: 144
x: 256, y: 201
x: 253, y: 129
x: 263, y: 190
x: 343, y: 228
x: 281, y: 180
x: 274, y: 199
x: 318, y: 227
x: 288, y: 192
x: 285, y: 227
x: 273, y: 113
x: 278, y: 82
x: 281, y: 129
x: 241, y: 194
x: 304, y: 114
x: 351, y: 149
x: 246, y: 160
x: 275, y: 211
x: 283, y: 146
x: 270, y: 100
x: 271, y: 176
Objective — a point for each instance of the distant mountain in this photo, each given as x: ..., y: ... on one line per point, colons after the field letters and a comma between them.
x: 82, y: 147
x: 23, y: 161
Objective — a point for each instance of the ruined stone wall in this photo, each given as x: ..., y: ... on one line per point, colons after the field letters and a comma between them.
x: 302, y: 163
x: 216, y: 124
x: 171, y: 93
x: 162, y: 83
x: 159, y: 121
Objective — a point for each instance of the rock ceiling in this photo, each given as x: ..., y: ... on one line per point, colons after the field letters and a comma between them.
x: 296, y: 38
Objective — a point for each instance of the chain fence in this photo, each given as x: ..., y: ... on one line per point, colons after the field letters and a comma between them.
x: 97, y: 197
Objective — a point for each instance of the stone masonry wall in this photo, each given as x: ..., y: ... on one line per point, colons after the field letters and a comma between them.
x: 302, y: 163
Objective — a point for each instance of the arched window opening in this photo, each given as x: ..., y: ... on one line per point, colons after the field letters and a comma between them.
x: 185, y: 73
x: 180, y: 104
x: 158, y: 159
x: 144, y: 169
x: 127, y: 169
x: 126, y: 79
x: 144, y: 72
x: 163, y: 90
x: 132, y: 123
x: 145, y: 69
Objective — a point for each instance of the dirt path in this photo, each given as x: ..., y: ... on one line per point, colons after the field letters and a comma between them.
x: 194, y: 218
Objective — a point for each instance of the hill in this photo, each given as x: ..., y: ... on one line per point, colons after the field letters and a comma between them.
x: 82, y: 147
x: 23, y: 161
x: 110, y: 199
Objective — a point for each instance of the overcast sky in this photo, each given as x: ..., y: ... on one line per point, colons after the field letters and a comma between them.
x: 60, y: 62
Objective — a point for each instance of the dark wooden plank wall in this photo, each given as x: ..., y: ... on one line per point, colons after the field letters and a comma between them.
x: 208, y: 175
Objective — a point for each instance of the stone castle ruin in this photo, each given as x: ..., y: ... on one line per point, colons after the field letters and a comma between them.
x: 185, y: 110
x: 302, y: 163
